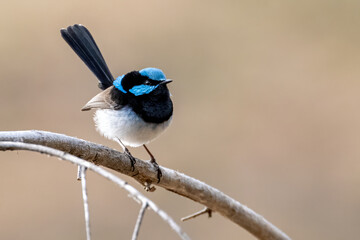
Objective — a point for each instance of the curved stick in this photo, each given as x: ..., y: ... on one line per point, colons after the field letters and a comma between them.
x: 136, y: 195
x: 145, y: 173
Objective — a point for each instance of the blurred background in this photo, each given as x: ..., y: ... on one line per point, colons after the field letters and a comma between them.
x: 266, y: 98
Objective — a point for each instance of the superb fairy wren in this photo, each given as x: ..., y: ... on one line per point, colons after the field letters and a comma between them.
x: 132, y: 109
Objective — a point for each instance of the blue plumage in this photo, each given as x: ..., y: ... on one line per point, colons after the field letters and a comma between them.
x: 153, y: 73
x: 142, y: 89
x: 117, y: 83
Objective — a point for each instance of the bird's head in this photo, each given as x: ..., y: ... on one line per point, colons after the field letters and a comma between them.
x: 141, y: 82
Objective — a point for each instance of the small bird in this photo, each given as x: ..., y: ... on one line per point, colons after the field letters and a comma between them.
x: 132, y: 109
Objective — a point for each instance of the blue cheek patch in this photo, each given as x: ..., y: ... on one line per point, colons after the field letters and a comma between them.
x: 153, y: 74
x: 142, y: 89
x: 117, y: 83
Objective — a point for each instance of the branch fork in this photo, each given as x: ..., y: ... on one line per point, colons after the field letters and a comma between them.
x: 171, y: 180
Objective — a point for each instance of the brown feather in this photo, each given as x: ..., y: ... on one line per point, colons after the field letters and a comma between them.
x: 101, y: 101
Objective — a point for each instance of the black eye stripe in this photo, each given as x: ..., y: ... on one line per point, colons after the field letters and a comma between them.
x: 151, y: 82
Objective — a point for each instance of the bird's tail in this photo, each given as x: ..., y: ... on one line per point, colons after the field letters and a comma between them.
x: 81, y: 41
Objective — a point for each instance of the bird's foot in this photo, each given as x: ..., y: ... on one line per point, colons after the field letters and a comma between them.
x: 156, y: 165
x: 132, y: 159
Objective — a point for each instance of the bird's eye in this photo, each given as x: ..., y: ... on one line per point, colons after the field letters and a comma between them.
x: 147, y: 82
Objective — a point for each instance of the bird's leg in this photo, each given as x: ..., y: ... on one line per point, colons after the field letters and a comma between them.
x: 127, y: 152
x: 154, y: 163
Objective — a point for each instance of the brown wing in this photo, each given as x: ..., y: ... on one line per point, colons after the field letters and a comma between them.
x: 101, y: 100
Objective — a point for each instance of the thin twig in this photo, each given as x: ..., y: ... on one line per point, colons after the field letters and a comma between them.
x: 78, y: 175
x: 139, y: 220
x: 145, y: 173
x: 85, y: 198
x: 135, y: 194
x: 194, y: 215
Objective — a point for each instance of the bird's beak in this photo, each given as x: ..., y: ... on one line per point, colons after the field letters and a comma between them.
x: 166, y: 81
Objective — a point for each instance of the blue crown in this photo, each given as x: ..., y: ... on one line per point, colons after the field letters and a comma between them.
x: 153, y: 74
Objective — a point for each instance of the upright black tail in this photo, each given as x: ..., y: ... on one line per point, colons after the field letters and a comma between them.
x: 81, y: 41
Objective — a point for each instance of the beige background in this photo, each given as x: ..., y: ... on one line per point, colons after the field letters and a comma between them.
x: 266, y: 98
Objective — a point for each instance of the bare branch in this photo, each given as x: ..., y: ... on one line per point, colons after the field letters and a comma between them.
x: 194, y: 215
x: 78, y: 174
x: 139, y: 221
x: 136, y: 195
x: 146, y: 173
x: 85, y: 199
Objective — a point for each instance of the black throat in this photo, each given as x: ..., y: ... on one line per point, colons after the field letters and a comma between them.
x: 155, y: 107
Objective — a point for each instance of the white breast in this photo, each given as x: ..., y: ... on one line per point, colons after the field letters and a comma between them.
x: 127, y: 126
